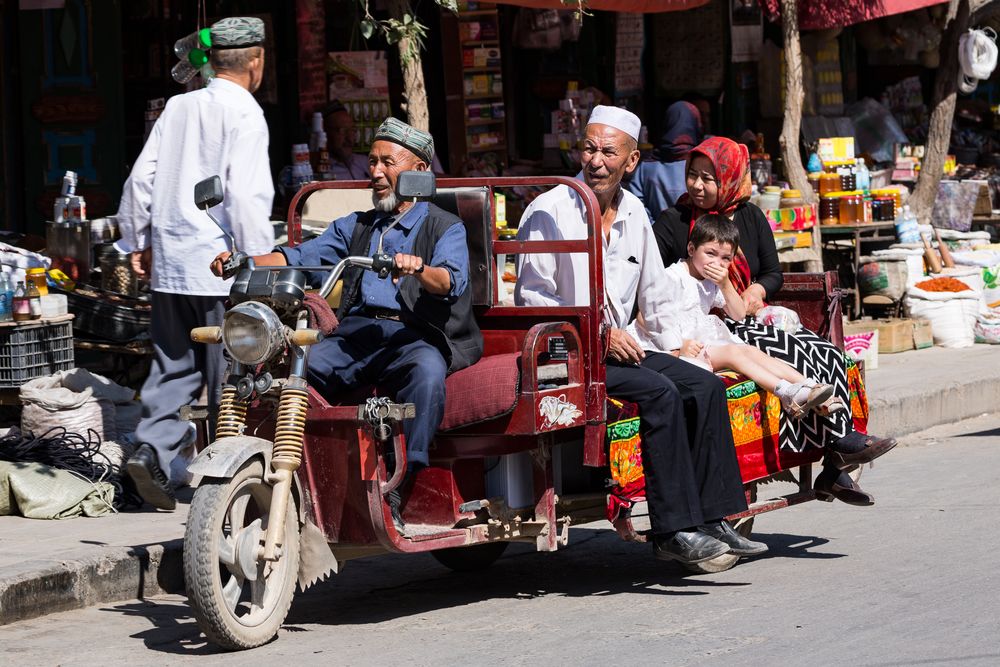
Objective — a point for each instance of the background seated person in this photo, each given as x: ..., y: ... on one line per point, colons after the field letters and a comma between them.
x: 405, y: 335
x: 718, y: 181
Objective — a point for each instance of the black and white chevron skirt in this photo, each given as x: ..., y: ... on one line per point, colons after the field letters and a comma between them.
x: 814, y: 357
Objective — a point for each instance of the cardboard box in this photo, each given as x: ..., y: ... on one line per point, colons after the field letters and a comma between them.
x: 894, y: 334
x: 861, y: 344
x: 923, y: 335
x: 801, y: 239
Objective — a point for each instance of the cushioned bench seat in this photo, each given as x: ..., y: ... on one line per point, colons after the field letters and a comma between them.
x: 484, y: 391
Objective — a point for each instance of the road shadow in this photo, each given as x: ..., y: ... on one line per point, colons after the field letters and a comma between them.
x: 394, y: 587
x: 782, y: 545
x: 980, y: 434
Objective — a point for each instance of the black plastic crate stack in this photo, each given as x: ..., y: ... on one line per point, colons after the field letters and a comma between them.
x: 29, y: 351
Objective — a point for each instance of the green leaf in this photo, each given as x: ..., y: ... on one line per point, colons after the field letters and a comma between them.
x: 450, y: 5
x: 367, y: 29
x: 407, y: 19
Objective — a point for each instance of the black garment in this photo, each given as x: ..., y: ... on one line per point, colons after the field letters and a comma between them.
x: 448, y: 323
x: 756, y: 241
x: 688, y: 454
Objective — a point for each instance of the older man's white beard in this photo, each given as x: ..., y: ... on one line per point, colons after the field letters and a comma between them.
x: 387, y: 204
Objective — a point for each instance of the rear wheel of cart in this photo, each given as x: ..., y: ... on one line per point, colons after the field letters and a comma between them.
x: 744, y: 527
x: 470, y: 559
x: 239, y: 600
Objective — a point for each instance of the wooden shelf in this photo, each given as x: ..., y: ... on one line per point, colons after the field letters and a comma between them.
x: 491, y: 96
x: 481, y: 42
x: 475, y: 122
x: 476, y: 12
x: 487, y: 149
x: 480, y: 70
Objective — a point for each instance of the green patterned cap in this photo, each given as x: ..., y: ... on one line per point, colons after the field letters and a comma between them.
x: 237, y: 32
x: 416, y: 141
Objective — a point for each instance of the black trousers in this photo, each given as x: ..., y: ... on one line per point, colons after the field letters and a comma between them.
x: 688, y: 453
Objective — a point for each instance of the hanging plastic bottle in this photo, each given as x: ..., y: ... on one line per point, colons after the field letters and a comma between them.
x: 193, y: 57
x: 200, y: 39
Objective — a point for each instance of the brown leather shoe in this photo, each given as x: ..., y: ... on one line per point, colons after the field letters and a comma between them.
x: 832, y: 483
x: 874, y: 447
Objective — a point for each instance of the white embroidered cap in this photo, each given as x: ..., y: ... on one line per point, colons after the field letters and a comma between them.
x: 618, y: 118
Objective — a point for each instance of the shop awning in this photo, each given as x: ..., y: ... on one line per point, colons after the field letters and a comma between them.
x: 839, y: 13
x: 630, y: 6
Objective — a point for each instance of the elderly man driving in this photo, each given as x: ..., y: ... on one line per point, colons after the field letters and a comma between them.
x: 406, y: 334
x: 692, y: 476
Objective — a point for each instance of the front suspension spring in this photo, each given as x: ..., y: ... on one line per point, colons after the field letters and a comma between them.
x: 232, y: 413
x: 291, y: 428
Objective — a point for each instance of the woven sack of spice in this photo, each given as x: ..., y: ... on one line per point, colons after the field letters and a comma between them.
x: 952, y: 314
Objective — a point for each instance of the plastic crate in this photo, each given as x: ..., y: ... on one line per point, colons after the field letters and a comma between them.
x: 35, y: 349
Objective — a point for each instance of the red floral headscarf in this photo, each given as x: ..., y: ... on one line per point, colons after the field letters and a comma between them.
x: 731, y: 162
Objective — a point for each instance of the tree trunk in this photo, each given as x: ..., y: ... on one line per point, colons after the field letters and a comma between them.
x: 794, y: 96
x: 939, y: 132
x: 411, y: 61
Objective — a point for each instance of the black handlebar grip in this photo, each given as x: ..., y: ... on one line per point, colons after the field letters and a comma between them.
x: 232, y: 265
x: 383, y: 264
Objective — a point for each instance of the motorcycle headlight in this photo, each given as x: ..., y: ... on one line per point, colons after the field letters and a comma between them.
x: 252, y: 333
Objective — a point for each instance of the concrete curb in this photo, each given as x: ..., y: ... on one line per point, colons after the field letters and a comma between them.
x: 903, y: 415
x: 916, y: 390
x: 41, y: 587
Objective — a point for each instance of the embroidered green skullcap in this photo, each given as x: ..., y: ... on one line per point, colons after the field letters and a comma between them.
x: 416, y: 141
x: 237, y: 32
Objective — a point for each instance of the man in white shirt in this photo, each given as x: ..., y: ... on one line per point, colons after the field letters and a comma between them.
x: 692, y: 476
x: 219, y: 129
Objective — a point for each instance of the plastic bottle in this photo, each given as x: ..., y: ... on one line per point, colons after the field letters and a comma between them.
x: 863, y: 177
x: 21, y: 303
x: 6, y: 300
x: 200, y: 39
x: 907, y: 230
x: 34, y: 301
x: 188, y: 67
x: 60, y: 208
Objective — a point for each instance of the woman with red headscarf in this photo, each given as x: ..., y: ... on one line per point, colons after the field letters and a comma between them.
x: 718, y: 181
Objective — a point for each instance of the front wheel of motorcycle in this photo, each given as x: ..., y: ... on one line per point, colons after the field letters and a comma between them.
x: 239, y: 600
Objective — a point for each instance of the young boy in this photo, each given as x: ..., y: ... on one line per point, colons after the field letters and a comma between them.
x: 702, y: 283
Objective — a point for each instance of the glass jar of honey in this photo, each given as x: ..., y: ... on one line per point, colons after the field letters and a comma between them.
x: 829, y: 210
x: 851, y: 211
x: 37, y: 277
x: 828, y: 183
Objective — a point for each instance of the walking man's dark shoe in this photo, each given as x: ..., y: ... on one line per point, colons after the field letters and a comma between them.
x: 149, y: 479
x: 688, y: 546
x: 738, y: 545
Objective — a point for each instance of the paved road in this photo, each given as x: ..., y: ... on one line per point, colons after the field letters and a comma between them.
x: 911, y: 581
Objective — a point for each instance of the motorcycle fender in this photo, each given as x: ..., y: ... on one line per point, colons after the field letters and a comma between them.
x: 225, y: 456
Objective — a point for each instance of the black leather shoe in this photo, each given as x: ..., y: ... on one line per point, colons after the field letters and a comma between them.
x: 857, y: 449
x: 833, y: 483
x: 738, y: 544
x: 149, y: 479
x: 688, y: 546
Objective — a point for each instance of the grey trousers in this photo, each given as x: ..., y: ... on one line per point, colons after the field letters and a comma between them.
x: 180, y: 369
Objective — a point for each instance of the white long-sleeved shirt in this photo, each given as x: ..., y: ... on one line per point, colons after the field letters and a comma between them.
x: 218, y: 130
x: 633, y: 270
